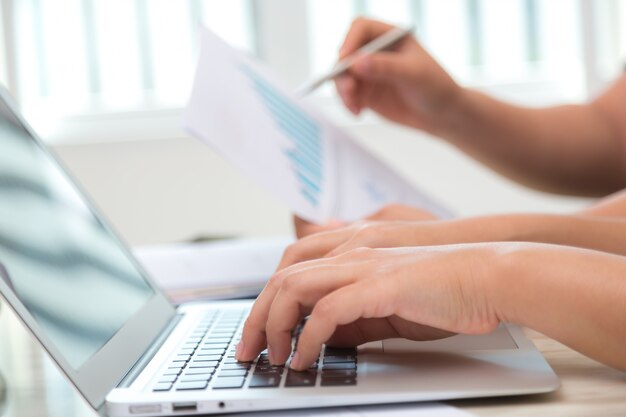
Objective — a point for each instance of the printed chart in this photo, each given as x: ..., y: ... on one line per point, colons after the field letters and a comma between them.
x: 305, y: 152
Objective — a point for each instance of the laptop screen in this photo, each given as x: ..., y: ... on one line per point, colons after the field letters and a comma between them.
x: 65, y: 266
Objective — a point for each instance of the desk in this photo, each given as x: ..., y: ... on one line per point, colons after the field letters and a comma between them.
x: 588, y: 388
x: 37, y: 389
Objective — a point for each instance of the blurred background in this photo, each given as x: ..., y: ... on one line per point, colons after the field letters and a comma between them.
x: 104, y: 82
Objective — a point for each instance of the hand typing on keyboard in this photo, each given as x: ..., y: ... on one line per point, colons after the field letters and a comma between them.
x: 372, y: 294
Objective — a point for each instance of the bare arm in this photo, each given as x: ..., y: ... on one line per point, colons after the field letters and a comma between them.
x: 575, y: 149
x: 574, y: 296
x: 601, y: 227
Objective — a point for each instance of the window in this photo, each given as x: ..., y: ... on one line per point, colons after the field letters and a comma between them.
x: 86, y: 63
x: 115, y: 55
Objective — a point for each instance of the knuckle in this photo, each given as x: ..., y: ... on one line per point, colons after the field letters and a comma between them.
x: 291, y: 252
x: 358, y: 22
x: 275, y: 281
x: 324, y: 309
x: 366, y: 232
x: 291, y: 283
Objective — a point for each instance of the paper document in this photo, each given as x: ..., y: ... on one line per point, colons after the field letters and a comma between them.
x: 262, y: 128
x: 232, y: 268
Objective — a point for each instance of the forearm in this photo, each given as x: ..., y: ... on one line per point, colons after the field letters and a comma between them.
x: 607, y: 234
x: 572, y: 149
x: 575, y: 296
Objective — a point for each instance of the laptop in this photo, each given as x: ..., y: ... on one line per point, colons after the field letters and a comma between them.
x: 130, y: 352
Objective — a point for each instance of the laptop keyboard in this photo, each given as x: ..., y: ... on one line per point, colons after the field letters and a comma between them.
x: 206, y: 360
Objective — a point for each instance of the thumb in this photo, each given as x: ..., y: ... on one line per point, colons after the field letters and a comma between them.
x: 385, y: 66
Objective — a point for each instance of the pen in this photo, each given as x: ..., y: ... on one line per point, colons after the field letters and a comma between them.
x: 384, y: 41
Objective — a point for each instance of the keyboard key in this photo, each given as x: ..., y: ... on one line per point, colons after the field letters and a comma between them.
x: 269, y: 369
x: 202, y: 364
x: 233, y: 372
x: 224, y: 329
x: 331, y: 373
x: 334, y: 382
x: 341, y: 365
x: 222, y: 334
x: 300, y: 379
x: 229, y: 382
x: 206, y: 351
x: 166, y: 386
x: 199, y: 371
x: 203, y: 357
x: 194, y: 339
x: 339, y: 358
x: 230, y: 360
x: 264, y: 381
x: 210, y: 345
x: 167, y: 378
x: 239, y: 365
x: 175, y: 371
x: 198, y: 377
x: 194, y: 378
x: 192, y: 385
x: 213, y: 341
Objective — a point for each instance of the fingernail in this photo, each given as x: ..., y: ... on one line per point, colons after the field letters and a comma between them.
x: 239, y: 351
x: 295, y: 361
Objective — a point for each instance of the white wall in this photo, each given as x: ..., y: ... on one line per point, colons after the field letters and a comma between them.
x: 171, y: 190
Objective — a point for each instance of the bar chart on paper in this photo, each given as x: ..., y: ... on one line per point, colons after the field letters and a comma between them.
x: 306, y: 147
x: 316, y: 169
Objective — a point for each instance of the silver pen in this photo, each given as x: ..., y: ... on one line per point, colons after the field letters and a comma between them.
x: 380, y: 43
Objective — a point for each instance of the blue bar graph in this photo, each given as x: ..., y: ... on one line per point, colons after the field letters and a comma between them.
x: 305, y: 152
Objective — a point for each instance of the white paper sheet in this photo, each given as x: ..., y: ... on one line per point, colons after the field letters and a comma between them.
x: 318, y: 170
x: 223, y: 269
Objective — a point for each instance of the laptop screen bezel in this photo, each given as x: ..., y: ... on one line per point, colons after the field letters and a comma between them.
x: 108, y: 366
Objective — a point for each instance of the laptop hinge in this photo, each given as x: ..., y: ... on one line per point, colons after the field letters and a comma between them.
x: 147, y: 357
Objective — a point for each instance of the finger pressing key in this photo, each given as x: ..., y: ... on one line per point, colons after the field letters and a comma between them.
x: 253, y: 338
x: 298, y: 294
x: 340, y: 307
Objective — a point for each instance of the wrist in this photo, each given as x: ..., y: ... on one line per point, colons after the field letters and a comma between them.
x: 453, y: 120
x: 505, y: 279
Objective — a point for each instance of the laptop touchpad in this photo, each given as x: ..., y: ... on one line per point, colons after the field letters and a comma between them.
x: 498, y: 339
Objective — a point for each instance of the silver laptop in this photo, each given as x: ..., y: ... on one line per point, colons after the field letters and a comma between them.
x: 131, y: 353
